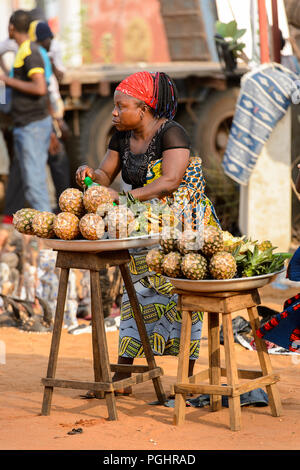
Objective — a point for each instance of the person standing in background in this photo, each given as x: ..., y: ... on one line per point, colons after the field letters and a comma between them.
x: 55, y: 49
x: 58, y: 160
x: 32, y: 122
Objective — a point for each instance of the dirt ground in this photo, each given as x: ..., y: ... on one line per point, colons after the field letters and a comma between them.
x: 140, y: 426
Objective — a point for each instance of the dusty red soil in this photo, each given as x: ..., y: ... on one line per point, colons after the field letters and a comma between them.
x: 140, y: 425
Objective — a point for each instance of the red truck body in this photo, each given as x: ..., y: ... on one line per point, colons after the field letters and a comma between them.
x: 135, y: 29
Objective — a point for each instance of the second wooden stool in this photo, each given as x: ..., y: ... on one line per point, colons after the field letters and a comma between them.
x: 224, y: 303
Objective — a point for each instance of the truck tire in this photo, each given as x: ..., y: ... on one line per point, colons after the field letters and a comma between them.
x: 72, y: 145
x: 214, y: 119
x: 95, y: 131
x: 209, y: 135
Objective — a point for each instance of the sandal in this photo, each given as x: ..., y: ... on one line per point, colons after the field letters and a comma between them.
x: 88, y: 395
x: 75, y: 431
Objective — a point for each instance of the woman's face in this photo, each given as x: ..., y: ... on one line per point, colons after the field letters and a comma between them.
x: 127, y: 112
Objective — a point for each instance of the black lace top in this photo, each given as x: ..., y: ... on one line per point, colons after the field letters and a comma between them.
x: 134, y: 166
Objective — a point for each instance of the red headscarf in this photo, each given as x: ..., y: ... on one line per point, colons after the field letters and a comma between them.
x: 141, y: 85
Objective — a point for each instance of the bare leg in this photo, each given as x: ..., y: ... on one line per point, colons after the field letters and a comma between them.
x: 116, y: 376
x: 129, y: 361
x: 123, y: 375
x: 191, y: 366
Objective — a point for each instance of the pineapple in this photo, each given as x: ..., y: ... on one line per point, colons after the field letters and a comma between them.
x: 92, y: 226
x: 247, y: 245
x: 121, y: 222
x: 265, y: 245
x: 154, y: 259
x: 189, y: 241
x: 213, y: 240
x: 168, y: 239
x: 222, y: 265
x: 94, y: 196
x: 231, y: 242
x: 22, y: 220
x: 71, y: 200
x: 171, y: 264
x: 66, y: 226
x: 104, y: 208
x: 194, y: 266
x: 43, y: 224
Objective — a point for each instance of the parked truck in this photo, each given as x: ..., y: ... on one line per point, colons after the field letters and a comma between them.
x: 172, y: 36
x: 207, y: 93
x: 207, y: 89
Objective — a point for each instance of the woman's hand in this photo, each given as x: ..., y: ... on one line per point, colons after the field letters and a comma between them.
x: 82, y: 172
x: 114, y: 194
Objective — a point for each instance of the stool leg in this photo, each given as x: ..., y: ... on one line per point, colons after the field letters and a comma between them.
x: 265, y: 363
x: 183, y: 366
x: 97, y: 313
x: 214, y: 358
x: 142, y: 331
x: 56, y: 334
x: 232, y: 373
x: 96, y: 358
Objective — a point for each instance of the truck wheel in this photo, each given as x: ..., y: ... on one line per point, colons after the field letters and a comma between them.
x: 209, y: 138
x: 96, y: 130
x: 214, y: 119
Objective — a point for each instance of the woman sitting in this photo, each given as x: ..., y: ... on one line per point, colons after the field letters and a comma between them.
x: 153, y: 153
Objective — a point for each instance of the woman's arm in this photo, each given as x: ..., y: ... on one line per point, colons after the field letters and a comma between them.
x: 174, y: 164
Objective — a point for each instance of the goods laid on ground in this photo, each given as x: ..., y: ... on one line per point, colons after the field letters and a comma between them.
x: 213, y: 254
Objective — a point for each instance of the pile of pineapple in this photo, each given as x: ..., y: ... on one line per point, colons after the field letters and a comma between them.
x: 212, y: 254
x: 93, y: 215
x: 90, y: 215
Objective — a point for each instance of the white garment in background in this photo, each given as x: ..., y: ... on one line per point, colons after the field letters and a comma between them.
x: 4, y: 157
x: 70, y: 316
x: 8, y: 45
x: 55, y: 53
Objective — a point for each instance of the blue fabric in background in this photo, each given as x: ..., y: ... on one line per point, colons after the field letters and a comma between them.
x: 6, y: 107
x: 257, y: 397
x: 266, y: 94
x: 47, y: 64
x: 283, y: 329
x: 293, y: 269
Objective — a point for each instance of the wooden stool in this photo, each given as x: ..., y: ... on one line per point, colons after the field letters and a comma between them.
x: 103, y: 384
x: 225, y: 303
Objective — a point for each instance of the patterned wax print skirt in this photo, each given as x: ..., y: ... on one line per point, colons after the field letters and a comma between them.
x: 155, y: 294
x: 161, y: 317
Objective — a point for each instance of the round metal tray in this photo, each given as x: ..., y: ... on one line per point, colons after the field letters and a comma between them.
x: 214, y: 285
x: 96, y: 246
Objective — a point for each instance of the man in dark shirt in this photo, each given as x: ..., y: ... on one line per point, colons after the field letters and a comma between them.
x: 32, y: 122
